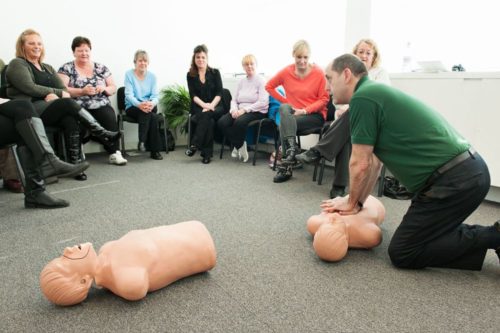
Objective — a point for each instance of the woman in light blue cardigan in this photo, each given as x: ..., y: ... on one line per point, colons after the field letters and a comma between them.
x: 141, y: 98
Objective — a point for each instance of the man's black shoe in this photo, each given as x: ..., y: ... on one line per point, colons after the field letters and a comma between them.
x: 337, y: 191
x: 309, y: 156
x: 283, y: 175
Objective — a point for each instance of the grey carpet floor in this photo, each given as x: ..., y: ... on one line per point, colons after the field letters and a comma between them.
x: 267, y: 277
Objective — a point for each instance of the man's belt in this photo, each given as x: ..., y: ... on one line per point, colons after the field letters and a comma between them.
x: 457, y: 160
x: 450, y: 164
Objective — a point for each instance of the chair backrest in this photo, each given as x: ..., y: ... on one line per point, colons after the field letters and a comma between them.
x: 3, y: 83
x: 330, y: 110
x: 120, y: 99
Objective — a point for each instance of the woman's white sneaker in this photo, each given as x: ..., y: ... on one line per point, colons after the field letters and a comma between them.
x: 234, y: 153
x: 243, y: 152
x: 117, y: 158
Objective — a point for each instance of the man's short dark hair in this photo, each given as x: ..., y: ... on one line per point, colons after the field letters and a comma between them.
x: 350, y: 61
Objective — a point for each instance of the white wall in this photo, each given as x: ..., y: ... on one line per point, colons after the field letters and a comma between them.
x: 170, y: 30
x: 451, y: 31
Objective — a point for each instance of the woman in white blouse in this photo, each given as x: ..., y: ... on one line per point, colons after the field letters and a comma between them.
x: 249, y: 103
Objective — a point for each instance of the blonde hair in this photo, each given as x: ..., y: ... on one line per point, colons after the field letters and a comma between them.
x: 373, y: 45
x: 300, y: 47
x: 22, y: 39
x: 62, y: 287
x: 248, y: 59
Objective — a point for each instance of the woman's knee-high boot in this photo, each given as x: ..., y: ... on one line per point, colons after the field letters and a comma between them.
x: 74, y: 150
x: 33, y: 133
x: 95, y: 128
x: 35, y: 195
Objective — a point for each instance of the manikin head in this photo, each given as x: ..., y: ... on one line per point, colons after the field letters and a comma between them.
x: 66, y: 280
x: 331, y: 240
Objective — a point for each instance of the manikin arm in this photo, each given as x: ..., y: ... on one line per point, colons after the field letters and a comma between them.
x: 132, y: 284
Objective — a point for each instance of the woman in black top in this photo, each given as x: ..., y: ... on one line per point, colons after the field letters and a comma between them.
x: 20, y: 124
x: 205, y: 90
x: 30, y: 79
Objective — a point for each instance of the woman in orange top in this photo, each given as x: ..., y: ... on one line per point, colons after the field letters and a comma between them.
x: 304, y: 105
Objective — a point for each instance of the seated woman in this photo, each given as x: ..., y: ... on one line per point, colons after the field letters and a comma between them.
x: 8, y: 173
x: 336, y: 140
x: 334, y: 233
x: 140, y: 262
x: 303, y: 107
x: 30, y: 79
x: 90, y: 84
x: 141, y: 98
x: 19, y: 124
x: 205, y: 90
x: 249, y: 103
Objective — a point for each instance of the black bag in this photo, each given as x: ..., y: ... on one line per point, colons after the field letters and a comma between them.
x: 171, y: 140
x: 393, y: 189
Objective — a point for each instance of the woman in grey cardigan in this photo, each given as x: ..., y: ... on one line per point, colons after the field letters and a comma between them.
x: 31, y: 79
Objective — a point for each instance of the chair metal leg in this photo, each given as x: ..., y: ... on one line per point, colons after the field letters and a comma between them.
x: 122, y: 137
x: 381, y: 180
x: 189, y: 131
x: 222, y: 146
x: 276, y: 148
x: 321, y: 170
x: 165, y: 134
x: 62, y: 144
x: 256, y: 144
x: 20, y: 172
x: 315, y: 172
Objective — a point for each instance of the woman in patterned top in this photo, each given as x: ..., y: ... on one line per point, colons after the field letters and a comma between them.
x: 90, y: 84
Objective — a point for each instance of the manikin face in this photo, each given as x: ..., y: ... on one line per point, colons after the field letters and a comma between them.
x: 79, y: 260
x: 365, y: 53
x: 301, y: 60
x: 141, y: 64
x: 33, y: 47
x: 79, y: 251
x: 82, y: 53
x: 200, y: 59
x: 338, y: 87
x: 249, y: 68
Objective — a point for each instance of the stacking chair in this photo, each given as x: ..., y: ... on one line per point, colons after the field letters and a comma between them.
x: 381, y: 181
x: 56, y: 138
x: 12, y: 147
x: 266, y: 123
x: 122, y: 116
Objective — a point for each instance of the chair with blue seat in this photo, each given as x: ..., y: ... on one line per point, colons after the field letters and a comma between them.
x: 262, y: 125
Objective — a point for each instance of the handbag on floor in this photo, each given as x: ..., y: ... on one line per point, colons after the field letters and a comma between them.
x: 395, y: 190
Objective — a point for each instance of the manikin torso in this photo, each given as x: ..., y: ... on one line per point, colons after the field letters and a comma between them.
x: 139, y: 262
x: 161, y: 256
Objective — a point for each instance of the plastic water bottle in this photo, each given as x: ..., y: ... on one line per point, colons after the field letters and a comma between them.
x: 407, y: 59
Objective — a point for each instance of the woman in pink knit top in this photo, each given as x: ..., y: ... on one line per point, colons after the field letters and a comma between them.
x: 303, y: 107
